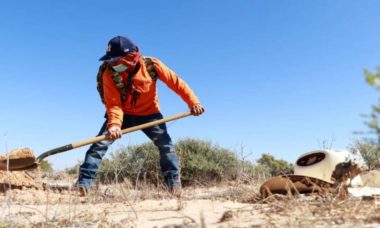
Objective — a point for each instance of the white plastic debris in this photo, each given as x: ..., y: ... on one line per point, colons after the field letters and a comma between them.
x: 364, y: 191
x: 366, y: 184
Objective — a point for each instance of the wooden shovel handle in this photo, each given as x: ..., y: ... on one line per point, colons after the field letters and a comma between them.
x: 103, y: 137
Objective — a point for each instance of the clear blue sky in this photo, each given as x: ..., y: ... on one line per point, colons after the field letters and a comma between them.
x: 274, y: 76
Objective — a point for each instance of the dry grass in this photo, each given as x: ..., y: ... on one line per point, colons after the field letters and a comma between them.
x: 232, y: 204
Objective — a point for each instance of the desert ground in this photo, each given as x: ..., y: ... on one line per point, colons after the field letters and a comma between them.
x: 53, y: 203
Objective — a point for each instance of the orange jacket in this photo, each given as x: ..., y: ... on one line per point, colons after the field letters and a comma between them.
x: 147, y: 103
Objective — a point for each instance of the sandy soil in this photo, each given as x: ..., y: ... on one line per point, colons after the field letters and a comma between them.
x: 19, y: 153
x: 17, y: 179
x: 17, y: 159
x: 231, y: 205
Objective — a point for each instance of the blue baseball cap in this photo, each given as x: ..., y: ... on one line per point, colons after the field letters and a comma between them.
x: 117, y: 48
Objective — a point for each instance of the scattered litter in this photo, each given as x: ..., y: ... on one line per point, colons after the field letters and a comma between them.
x: 320, y: 171
x: 368, y: 179
x: 366, y: 184
x: 364, y: 191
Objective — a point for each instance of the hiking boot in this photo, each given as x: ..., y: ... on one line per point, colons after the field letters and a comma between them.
x: 82, y: 192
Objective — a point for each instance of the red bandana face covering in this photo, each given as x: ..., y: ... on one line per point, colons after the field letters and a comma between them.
x: 129, y: 60
x: 129, y: 63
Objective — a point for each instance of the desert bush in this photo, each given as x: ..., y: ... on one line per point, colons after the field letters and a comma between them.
x: 204, y: 163
x: 45, y: 166
x: 74, y: 170
x: 136, y: 162
x: 274, y: 166
x: 201, y: 162
x: 252, y: 173
x: 369, y: 150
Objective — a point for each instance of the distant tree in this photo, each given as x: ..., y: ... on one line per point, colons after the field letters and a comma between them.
x: 372, y: 122
x: 369, y: 147
x: 45, y: 166
x: 74, y: 170
x: 369, y: 150
x: 275, y: 166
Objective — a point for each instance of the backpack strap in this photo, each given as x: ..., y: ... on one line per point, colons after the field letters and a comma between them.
x: 129, y: 89
x: 99, y: 80
x: 118, y: 80
x: 149, y: 64
x: 124, y: 88
x: 116, y: 77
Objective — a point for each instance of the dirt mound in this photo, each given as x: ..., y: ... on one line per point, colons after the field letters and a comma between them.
x: 17, y: 159
x: 16, y: 180
x: 19, y: 153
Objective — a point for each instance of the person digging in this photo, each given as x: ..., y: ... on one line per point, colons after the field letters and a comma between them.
x: 127, y: 86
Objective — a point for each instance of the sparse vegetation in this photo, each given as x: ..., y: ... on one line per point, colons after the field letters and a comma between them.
x: 74, y: 170
x: 274, y: 166
x: 369, y: 147
x: 45, y: 166
x: 136, y: 162
x: 205, y: 163
x: 226, y: 206
x: 369, y: 150
x: 119, y: 203
x: 201, y: 163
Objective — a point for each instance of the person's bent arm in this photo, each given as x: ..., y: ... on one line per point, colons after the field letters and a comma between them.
x: 180, y: 87
x: 113, y: 103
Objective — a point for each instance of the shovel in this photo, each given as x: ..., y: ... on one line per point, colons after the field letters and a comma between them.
x: 24, y: 159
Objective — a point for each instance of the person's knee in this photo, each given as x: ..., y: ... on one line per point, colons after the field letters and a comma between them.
x: 164, y: 144
x: 167, y: 151
x: 97, y: 151
x: 99, y: 146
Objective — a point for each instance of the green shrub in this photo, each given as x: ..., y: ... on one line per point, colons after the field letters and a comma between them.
x: 204, y: 163
x: 137, y: 162
x: 274, y: 166
x: 74, y: 170
x: 45, y: 166
x: 369, y: 150
x: 201, y: 162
